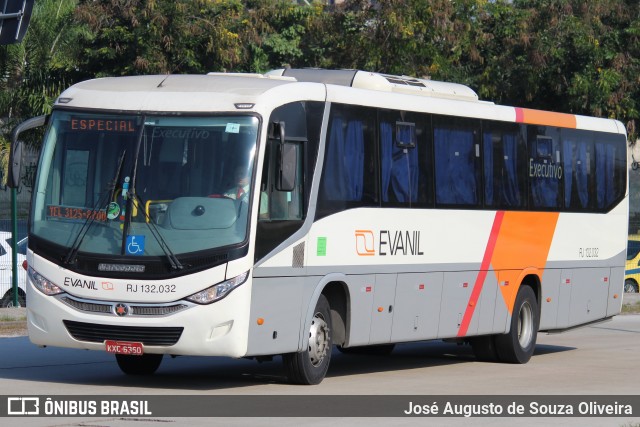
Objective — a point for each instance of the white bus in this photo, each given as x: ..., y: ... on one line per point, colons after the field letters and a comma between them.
x: 251, y: 215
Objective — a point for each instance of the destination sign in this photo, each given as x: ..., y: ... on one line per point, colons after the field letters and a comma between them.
x: 54, y: 211
x: 103, y: 125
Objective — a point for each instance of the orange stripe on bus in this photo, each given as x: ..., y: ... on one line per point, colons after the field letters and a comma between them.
x: 482, y: 274
x: 523, y: 243
x: 547, y: 118
x: 518, y: 245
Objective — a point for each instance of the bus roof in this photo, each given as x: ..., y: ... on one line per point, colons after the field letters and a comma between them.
x: 260, y: 92
x: 177, y: 92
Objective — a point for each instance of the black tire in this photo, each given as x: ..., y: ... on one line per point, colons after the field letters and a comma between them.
x: 372, y: 350
x: 630, y: 286
x: 147, y: 364
x: 310, y: 366
x: 484, y: 347
x: 7, y: 300
x: 518, y: 344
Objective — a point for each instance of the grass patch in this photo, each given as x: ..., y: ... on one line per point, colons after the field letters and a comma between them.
x: 631, y: 309
x: 6, y: 318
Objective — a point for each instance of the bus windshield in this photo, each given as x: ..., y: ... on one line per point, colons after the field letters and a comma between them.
x: 144, y: 185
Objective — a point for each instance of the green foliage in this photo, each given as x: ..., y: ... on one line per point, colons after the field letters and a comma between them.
x: 34, y: 72
x: 561, y: 55
x: 129, y: 37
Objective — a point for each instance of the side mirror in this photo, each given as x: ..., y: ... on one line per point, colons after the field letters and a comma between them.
x: 15, y: 164
x: 17, y: 148
x: 287, y: 167
x: 287, y: 158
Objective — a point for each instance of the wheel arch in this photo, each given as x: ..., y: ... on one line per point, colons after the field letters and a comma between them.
x: 334, y: 288
x: 337, y: 293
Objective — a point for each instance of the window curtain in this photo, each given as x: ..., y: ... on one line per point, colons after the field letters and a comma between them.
x: 510, y: 184
x: 544, y: 189
x: 575, y: 172
x: 455, y: 167
x: 399, y: 166
x: 487, y: 144
x: 344, y: 162
x: 605, y: 165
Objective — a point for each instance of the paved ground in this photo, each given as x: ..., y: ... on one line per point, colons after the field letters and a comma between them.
x: 591, y: 362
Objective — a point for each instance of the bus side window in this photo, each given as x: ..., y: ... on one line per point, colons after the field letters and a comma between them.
x: 545, y: 168
x: 457, y: 161
x: 505, y: 164
x: 350, y: 172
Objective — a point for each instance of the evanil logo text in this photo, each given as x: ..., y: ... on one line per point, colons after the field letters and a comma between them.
x: 388, y: 243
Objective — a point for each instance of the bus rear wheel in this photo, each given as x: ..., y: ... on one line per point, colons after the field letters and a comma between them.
x: 146, y: 364
x: 630, y: 286
x: 518, y: 344
x: 310, y: 365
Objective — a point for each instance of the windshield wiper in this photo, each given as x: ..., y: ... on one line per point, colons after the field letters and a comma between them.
x: 173, y: 260
x: 131, y: 192
x: 132, y: 197
x: 70, y: 258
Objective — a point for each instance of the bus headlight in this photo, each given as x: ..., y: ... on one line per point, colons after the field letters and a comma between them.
x: 219, y: 291
x: 43, y: 284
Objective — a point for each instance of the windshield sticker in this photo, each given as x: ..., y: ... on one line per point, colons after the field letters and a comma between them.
x: 135, y: 245
x: 125, y: 188
x: 82, y: 214
x: 113, y: 210
x: 232, y: 128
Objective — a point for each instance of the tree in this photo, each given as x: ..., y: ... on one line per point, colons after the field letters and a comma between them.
x: 129, y: 37
x: 35, y: 71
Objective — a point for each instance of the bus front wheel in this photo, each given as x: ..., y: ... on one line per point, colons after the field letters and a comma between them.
x: 518, y: 344
x: 310, y: 365
x: 145, y: 364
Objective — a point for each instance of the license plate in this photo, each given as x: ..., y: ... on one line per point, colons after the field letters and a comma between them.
x: 124, y: 347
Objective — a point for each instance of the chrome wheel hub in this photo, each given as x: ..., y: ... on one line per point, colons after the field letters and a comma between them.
x: 318, y: 339
x: 525, y: 325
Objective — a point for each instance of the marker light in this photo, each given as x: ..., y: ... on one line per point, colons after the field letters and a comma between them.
x: 219, y: 291
x: 45, y: 285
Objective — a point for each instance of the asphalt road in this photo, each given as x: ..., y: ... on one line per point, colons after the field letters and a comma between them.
x: 601, y: 359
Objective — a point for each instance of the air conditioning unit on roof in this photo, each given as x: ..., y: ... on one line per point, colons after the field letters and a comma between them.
x: 381, y: 82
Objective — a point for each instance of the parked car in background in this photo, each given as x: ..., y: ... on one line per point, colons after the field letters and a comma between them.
x: 6, y: 288
x: 632, y: 268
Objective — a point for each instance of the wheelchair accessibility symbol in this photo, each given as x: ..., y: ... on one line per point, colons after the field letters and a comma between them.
x: 135, y: 245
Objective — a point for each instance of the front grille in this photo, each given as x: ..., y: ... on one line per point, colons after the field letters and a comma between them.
x: 90, y: 307
x: 163, y: 336
x: 159, y: 310
x: 136, y: 310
